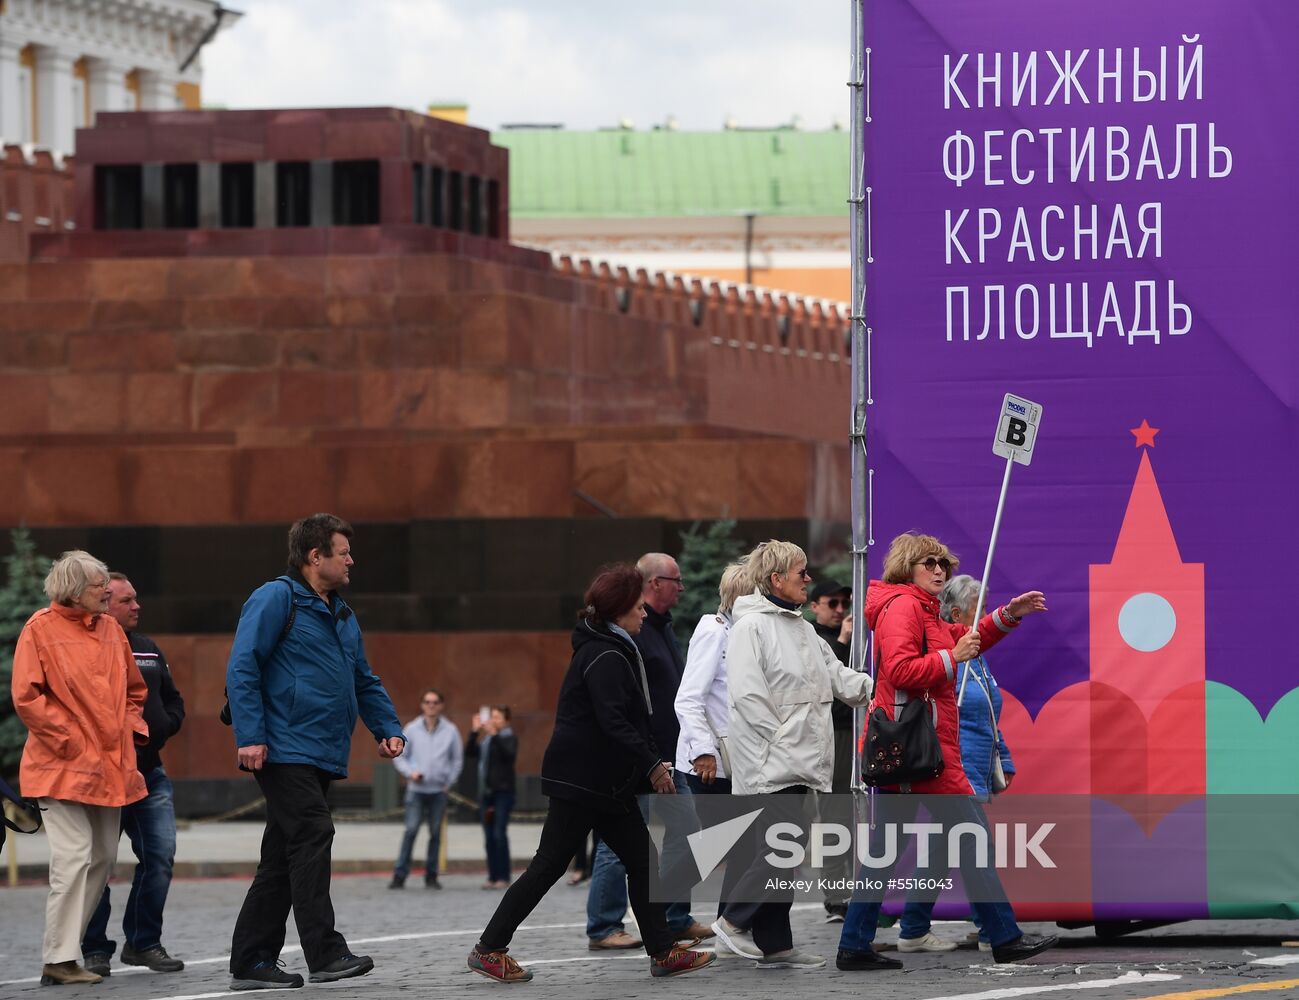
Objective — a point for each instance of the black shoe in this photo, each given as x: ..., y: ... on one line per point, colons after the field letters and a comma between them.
x: 1024, y: 946
x: 98, y: 963
x: 398, y: 882
x: 343, y: 968
x: 864, y: 961
x: 432, y: 883
x: 835, y: 912
x: 265, y: 976
x: 155, y: 958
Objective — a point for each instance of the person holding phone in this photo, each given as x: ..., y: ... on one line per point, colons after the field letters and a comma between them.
x: 601, y: 756
x: 493, y: 745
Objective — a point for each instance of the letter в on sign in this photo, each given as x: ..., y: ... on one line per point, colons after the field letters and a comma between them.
x: 1017, y: 429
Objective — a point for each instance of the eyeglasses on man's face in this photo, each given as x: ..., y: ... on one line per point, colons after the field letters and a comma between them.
x: 933, y: 563
x: 674, y: 580
x: 835, y: 603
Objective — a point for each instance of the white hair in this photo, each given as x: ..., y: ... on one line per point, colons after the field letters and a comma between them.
x: 71, y: 574
x: 959, y: 593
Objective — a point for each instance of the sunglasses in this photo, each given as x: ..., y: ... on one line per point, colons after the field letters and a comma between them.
x: 838, y: 602
x: 933, y: 563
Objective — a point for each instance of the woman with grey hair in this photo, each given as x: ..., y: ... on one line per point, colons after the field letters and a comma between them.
x: 81, y: 697
x: 982, y: 749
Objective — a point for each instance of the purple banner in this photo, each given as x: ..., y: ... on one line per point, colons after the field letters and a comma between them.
x: 1090, y: 205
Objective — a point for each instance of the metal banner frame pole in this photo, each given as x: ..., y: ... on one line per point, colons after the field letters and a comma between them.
x: 859, y: 233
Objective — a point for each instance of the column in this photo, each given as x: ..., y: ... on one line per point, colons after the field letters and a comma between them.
x: 12, y: 117
x: 209, y: 195
x: 322, y: 192
x: 157, y: 92
x: 264, y: 194
x: 107, y: 88
x: 55, y: 121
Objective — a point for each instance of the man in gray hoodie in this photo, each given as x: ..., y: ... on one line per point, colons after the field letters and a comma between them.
x: 431, y: 765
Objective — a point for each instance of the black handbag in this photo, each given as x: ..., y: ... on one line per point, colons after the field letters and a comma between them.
x: 904, y: 749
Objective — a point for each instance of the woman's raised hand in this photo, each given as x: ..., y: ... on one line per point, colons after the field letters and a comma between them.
x: 1027, y: 604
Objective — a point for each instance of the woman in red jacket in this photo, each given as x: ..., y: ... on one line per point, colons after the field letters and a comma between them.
x: 917, y: 657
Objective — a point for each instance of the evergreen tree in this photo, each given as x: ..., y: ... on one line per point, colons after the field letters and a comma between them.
x: 22, y: 594
x: 705, y: 552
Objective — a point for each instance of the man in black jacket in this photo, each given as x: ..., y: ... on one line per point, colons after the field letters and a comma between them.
x: 151, y: 822
x: 607, y: 897
x: 832, y: 606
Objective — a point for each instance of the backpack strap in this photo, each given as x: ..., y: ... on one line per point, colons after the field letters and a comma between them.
x: 292, y: 616
x: 284, y: 634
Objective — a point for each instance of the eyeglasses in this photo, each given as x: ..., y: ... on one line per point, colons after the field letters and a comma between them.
x: 672, y: 579
x: 432, y: 701
x: 933, y: 563
x: 838, y: 602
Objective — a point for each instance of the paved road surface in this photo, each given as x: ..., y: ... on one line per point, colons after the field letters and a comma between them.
x: 419, y: 938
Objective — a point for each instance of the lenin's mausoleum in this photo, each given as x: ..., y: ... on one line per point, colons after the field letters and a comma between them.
x: 212, y: 323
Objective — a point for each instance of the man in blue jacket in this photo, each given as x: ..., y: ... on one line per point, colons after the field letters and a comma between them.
x: 296, y: 679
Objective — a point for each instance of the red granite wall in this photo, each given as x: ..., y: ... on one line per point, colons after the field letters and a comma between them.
x: 182, y: 391
x: 521, y: 669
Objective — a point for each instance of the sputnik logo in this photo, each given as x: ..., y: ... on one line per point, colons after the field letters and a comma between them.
x: 711, y: 844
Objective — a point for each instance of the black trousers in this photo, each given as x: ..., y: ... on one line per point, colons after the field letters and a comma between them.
x: 293, y: 872
x: 750, y: 905
x: 567, y: 825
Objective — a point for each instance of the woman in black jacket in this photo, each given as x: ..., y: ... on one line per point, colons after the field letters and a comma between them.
x: 600, y: 757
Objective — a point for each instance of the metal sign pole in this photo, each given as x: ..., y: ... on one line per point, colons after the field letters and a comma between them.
x: 987, y: 565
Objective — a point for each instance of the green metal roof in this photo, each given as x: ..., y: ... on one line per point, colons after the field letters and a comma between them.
x: 561, y: 174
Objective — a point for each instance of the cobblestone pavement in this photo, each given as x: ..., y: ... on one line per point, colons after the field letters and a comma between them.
x: 419, y: 939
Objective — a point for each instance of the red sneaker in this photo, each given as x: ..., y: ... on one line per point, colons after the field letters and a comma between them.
x: 499, y: 966
x: 679, y: 961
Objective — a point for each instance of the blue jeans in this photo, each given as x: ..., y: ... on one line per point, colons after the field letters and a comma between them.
x: 420, y: 806
x: 995, y: 916
x: 917, y: 919
x: 606, y: 899
x: 151, y: 826
x: 495, y: 816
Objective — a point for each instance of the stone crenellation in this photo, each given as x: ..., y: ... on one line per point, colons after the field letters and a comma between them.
x: 35, y: 197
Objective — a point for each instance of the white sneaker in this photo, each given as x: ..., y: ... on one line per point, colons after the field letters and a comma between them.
x: 972, y: 939
x: 927, y: 943
x: 737, y: 942
x: 791, y: 959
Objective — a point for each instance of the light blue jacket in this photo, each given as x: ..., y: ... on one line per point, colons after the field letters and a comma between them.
x: 979, y: 740
x: 300, y: 695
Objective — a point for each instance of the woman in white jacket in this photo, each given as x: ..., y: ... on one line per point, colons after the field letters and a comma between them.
x: 781, y: 678
x: 701, y: 699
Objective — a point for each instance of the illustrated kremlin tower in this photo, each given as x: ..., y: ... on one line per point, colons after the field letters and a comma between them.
x: 1147, y: 653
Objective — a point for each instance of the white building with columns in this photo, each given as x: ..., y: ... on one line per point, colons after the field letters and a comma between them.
x: 61, y: 61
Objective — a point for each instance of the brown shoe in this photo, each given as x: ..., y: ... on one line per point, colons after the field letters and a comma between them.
x: 679, y: 961
x: 695, y: 932
x: 617, y: 941
x: 66, y: 973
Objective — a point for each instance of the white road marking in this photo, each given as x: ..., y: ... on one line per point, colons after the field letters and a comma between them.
x: 1127, y: 979
x: 1277, y: 960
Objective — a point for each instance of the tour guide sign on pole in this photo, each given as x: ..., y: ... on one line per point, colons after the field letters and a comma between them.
x: 1016, y: 434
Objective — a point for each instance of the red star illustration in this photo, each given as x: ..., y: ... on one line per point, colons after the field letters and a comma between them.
x: 1145, y: 434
